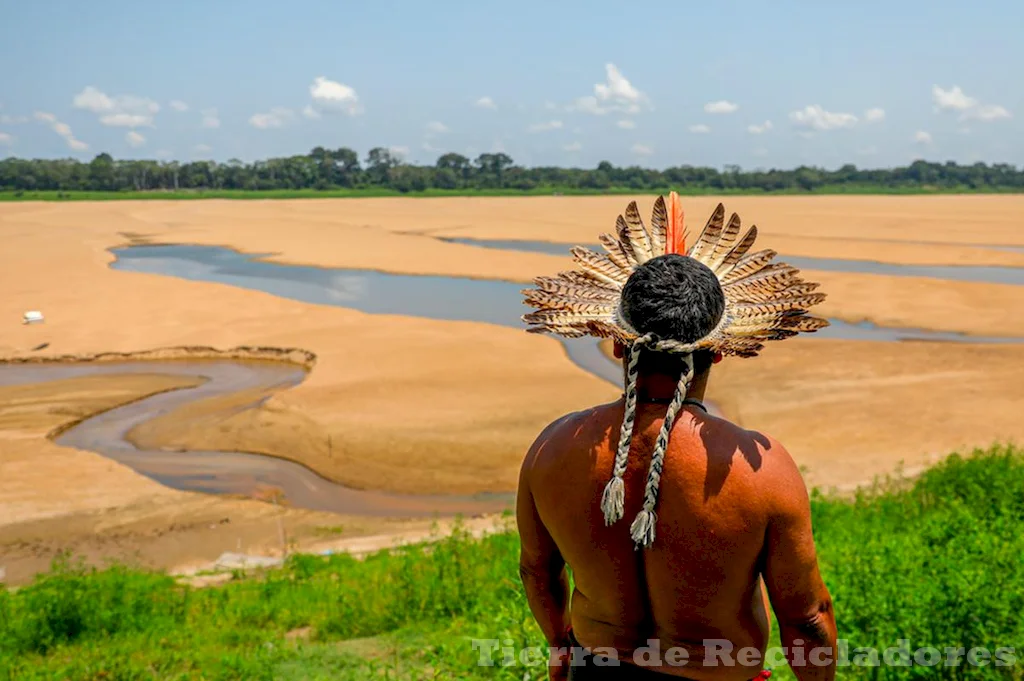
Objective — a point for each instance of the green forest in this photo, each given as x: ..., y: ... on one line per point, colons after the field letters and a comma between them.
x: 341, y: 172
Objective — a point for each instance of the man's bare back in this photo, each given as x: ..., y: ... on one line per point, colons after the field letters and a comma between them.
x: 732, y: 508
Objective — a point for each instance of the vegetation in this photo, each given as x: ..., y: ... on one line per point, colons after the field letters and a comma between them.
x: 338, y: 172
x: 936, y: 561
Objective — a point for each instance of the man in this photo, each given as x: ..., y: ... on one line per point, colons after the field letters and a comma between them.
x: 720, y: 514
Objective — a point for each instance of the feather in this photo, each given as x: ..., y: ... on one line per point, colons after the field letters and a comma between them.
x: 709, y: 235
x: 806, y: 323
x: 548, y: 300
x: 659, y: 224
x: 638, y: 236
x: 616, y: 253
x: 587, y: 279
x: 567, y: 331
x: 737, y: 252
x: 563, y: 318
x: 720, y: 250
x: 742, y: 292
x: 622, y: 230
x: 775, y: 306
x: 675, y: 236
x: 773, y: 276
x: 599, y: 265
x: 579, y: 291
x: 748, y: 265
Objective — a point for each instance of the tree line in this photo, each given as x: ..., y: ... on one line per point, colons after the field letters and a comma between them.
x: 326, y: 169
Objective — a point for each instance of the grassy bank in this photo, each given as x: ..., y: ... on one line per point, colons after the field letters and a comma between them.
x: 938, y: 562
x: 372, y: 192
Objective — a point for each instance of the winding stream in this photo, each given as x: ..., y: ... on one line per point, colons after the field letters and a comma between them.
x: 434, y: 297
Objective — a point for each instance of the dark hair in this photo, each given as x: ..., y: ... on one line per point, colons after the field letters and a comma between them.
x: 674, y: 297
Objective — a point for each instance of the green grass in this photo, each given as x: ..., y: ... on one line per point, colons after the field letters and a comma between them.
x: 939, y: 562
x: 370, y: 192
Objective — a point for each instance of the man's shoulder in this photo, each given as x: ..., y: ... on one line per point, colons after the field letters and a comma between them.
x: 564, y: 427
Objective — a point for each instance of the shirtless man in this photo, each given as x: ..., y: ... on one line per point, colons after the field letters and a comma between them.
x: 733, y: 518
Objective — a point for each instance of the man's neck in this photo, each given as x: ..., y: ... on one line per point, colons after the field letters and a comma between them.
x: 662, y: 387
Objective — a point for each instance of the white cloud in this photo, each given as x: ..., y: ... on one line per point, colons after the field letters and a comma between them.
x: 201, y: 149
x: 550, y: 106
x: 987, y: 112
x: 309, y: 112
x: 427, y: 146
x: 922, y: 137
x: 485, y: 103
x: 759, y: 129
x: 588, y: 105
x: 62, y: 129
x: 163, y: 153
x: 626, y: 124
x: 572, y: 146
x: 874, y: 115
x: 617, y: 88
x: 330, y: 96
x: 124, y: 111
x: 641, y: 150
x: 700, y: 129
x: 178, y: 105
x: 5, y: 138
x: 816, y: 118
x: 615, y: 94
x: 126, y: 120
x: 399, y: 151
x: 544, y: 127
x: 953, y: 99
x: 278, y: 117
x: 721, y: 107
x: 437, y: 127
x: 135, y: 139
x: 210, y: 119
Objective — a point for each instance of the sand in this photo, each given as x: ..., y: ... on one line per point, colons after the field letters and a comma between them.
x: 414, y: 405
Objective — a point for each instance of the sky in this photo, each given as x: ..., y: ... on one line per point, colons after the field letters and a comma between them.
x: 568, y: 83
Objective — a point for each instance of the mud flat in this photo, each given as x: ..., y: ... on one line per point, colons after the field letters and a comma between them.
x: 411, y: 405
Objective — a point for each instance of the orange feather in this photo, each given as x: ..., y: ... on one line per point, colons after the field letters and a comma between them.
x: 675, y: 232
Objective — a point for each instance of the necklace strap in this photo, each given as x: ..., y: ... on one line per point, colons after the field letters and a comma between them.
x: 665, y: 400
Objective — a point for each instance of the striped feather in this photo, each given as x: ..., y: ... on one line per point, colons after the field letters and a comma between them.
x: 563, y: 318
x: 584, y: 278
x: 709, y: 235
x: 750, y: 266
x: 637, y: 233
x: 599, y: 265
x: 803, y: 302
x: 738, y: 251
x: 586, y: 293
x: 725, y: 243
x: 622, y: 230
x: 659, y: 224
x: 806, y: 323
x: 547, y: 300
x: 616, y: 253
x: 567, y: 331
x: 742, y: 292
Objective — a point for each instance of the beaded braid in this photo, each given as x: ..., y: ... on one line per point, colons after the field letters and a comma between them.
x: 642, y: 529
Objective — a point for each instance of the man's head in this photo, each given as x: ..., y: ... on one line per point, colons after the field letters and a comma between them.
x: 673, y: 297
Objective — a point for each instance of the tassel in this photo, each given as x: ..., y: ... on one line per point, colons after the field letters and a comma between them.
x: 642, y: 529
x: 613, y: 501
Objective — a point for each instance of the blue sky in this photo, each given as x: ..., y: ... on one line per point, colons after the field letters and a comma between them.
x: 665, y: 83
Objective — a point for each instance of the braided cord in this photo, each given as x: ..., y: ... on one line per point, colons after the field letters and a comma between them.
x: 613, y: 499
x: 642, y: 529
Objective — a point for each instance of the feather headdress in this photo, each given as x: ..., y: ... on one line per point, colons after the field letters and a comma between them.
x: 764, y: 300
